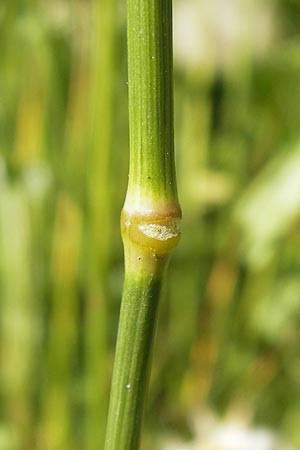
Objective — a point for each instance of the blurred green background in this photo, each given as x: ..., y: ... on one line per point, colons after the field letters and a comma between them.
x: 229, y: 329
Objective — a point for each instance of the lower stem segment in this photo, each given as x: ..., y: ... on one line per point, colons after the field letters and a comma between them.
x: 132, y: 360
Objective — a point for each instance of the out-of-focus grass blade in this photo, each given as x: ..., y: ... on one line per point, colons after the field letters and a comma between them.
x: 57, y: 429
x: 18, y: 321
x: 269, y: 207
x: 100, y: 206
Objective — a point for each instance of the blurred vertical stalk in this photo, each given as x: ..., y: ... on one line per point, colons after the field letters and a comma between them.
x: 151, y: 214
x: 18, y: 321
x: 61, y: 355
x: 61, y: 403
x: 77, y: 120
x: 98, y: 226
x: 19, y: 238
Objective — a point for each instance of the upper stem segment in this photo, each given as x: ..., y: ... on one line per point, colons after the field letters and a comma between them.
x: 152, y: 182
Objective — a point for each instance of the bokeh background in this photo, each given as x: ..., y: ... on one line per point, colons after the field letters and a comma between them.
x: 226, y: 372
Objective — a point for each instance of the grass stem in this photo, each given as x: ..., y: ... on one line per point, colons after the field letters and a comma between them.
x: 151, y: 214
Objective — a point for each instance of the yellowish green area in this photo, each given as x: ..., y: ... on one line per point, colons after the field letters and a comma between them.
x: 149, y: 240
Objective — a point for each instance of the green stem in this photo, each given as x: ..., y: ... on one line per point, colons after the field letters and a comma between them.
x: 152, y: 172
x: 132, y: 363
x: 151, y: 214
